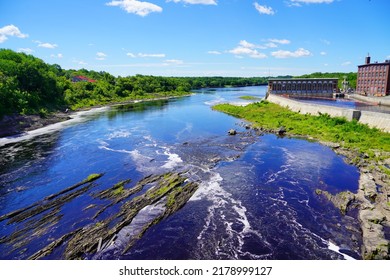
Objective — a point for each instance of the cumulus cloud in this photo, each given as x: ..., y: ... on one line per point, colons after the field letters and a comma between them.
x: 301, y: 52
x: 346, y: 63
x: 136, y: 7
x: 10, y: 31
x: 46, y: 45
x: 202, y: 2
x: 323, y: 53
x: 100, y: 56
x: 25, y: 50
x: 280, y: 41
x: 248, y: 49
x: 264, y: 9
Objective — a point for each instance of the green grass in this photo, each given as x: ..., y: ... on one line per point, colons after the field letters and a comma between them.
x: 249, y: 97
x: 350, y: 134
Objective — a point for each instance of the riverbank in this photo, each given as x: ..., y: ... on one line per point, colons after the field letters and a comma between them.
x: 366, y: 148
x: 14, y: 125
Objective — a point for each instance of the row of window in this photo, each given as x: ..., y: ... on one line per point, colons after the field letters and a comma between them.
x: 373, y: 68
x: 371, y: 89
x: 368, y: 81
x: 372, y: 74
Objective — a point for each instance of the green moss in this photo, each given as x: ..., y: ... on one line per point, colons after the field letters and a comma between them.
x: 93, y: 177
x: 117, y: 191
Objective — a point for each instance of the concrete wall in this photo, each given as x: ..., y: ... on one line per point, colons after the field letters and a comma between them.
x: 373, y: 119
x: 377, y: 100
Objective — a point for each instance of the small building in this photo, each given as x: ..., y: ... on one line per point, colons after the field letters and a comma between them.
x: 312, y: 87
x: 373, y: 78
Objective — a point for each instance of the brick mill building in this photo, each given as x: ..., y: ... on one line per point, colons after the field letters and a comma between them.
x: 312, y: 87
x: 373, y: 78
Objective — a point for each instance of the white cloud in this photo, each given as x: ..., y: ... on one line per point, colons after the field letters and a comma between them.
x: 346, y: 63
x: 151, y: 55
x: 136, y: 7
x: 271, y: 45
x: 264, y: 9
x: 280, y: 41
x: 46, y: 45
x: 59, y: 55
x: 203, y: 2
x: 145, y: 55
x: 10, y: 31
x: 312, y: 1
x: 100, y: 56
x: 246, y: 44
x: 323, y: 53
x: 214, y: 52
x: 326, y: 42
x: 25, y: 50
x: 246, y: 48
x: 287, y: 54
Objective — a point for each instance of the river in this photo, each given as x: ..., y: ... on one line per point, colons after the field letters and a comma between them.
x: 256, y: 196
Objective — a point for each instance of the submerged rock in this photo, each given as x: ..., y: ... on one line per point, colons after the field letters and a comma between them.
x: 341, y: 200
x: 84, y: 242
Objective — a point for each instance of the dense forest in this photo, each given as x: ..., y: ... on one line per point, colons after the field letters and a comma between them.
x: 28, y: 85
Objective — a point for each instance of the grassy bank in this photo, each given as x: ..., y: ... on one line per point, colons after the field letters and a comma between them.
x: 349, y: 134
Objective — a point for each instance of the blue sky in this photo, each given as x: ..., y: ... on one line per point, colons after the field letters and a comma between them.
x: 199, y: 37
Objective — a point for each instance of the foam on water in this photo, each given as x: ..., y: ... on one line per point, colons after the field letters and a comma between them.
x: 122, y: 133
x: 215, y: 101
x: 220, y: 216
x: 173, y: 159
x: 75, y: 118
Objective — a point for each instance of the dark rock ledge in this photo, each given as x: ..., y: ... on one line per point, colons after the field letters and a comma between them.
x: 85, y: 242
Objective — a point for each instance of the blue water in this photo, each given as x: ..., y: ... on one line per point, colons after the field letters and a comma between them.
x: 256, y: 198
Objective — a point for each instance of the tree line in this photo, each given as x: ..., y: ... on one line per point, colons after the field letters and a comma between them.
x: 349, y: 77
x: 28, y: 85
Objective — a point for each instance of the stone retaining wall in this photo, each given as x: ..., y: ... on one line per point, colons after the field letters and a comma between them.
x: 372, y: 119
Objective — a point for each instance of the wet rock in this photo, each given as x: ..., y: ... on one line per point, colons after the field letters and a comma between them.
x: 341, y: 200
x: 51, y: 201
x: 367, y: 186
x: 281, y: 131
x: 172, y: 188
x: 330, y: 144
x: 375, y: 246
x: 232, y: 132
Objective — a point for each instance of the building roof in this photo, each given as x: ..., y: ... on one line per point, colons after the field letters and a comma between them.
x: 386, y: 62
x: 301, y: 79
